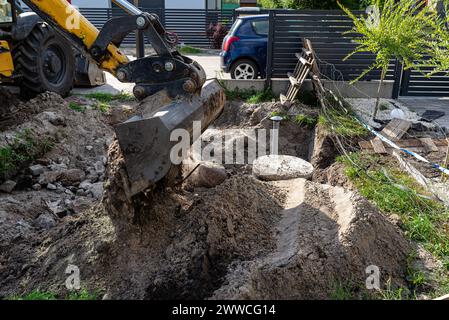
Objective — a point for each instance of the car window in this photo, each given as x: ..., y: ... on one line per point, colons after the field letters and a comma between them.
x: 246, y: 29
x: 234, y: 27
x: 260, y: 27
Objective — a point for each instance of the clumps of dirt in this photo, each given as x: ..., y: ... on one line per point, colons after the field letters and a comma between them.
x: 47, y: 193
x: 241, y: 239
x: 326, y: 236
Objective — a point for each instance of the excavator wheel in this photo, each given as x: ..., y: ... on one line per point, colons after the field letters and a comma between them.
x: 45, y: 61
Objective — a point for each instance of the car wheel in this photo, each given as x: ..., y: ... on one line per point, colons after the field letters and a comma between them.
x: 244, y: 70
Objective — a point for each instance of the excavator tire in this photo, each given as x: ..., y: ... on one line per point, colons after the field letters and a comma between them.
x: 44, y: 61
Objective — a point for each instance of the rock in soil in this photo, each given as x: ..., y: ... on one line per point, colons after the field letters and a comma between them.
x: 277, y: 167
x: 207, y: 175
x: 8, y: 186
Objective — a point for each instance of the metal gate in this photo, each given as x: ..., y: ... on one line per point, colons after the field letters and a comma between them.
x: 416, y: 83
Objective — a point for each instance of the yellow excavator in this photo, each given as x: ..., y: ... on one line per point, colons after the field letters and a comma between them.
x: 36, y: 53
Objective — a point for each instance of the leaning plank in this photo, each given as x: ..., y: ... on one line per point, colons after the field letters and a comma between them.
x: 407, y: 144
x: 396, y: 129
x: 378, y: 146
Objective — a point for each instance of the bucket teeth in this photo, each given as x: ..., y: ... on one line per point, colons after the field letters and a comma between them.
x: 146, y: 141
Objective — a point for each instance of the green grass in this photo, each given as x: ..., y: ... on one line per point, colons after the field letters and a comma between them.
x: 306, y: 120
x: 108, y: 97
x: 25, y: 148
x: 250, y: 96
x: 43, y: 295
x: 103, y: 101
x: 76, y: 107
x: 342, y: 124
x: 341, y: 291
x: 189, y: 50
x: 425, y: 220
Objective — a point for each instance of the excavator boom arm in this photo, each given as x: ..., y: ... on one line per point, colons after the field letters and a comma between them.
x: 167, y: 70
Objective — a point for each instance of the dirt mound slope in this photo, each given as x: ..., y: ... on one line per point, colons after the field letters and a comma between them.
x: 241, y: 239
x: 326, y: 235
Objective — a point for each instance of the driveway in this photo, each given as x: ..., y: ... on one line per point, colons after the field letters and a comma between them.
x: 210, y: 63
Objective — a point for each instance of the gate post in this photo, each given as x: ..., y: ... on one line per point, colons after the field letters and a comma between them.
x: 398, y: 68
x: 269, y: 71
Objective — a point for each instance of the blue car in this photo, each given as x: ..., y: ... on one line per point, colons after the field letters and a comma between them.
x: 244, y: 53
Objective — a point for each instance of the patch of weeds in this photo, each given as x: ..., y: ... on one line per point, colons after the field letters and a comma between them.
x: 390, y: 293
x: 394, y: 192
x: 76, y: 107
x: 108, y: 97
x: 416, y: 278
x: 24, y: 149
x: 259, y: 97
x: 342, y: 124
x: 35, y: 295
x: 306, y: 120
x: 250, y: 96
x: 189, y: 50
x: 341, y: 291
x: 84, y: 294
x: 384, y: 106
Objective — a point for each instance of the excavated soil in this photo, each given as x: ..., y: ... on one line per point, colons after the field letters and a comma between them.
x: 241, y: 239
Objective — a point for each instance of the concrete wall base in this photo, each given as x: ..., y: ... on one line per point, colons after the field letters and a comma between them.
x: 361, y: 89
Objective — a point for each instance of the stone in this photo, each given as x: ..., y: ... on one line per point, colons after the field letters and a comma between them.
x: 58, y: 167
x: 99, y: 167
x: 71, y: 177
x: 51, y: 186
x: 8, y: 186
x: 45, y: 221
x: 97, y: 190
x: 48, y: 177
x: 208, y: 175
x: 37, y: 187
x: 279, y: 167
x: 85, y: 185
x: 37, y: 170
x: 81, y: 193
x: 89, y: 148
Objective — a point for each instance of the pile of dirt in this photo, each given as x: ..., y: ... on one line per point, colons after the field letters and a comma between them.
x: 327, y: 236
x: 241, y: 239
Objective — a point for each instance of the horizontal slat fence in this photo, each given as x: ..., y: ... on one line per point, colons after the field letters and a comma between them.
x: 189, y: 24
x: 326, y: 29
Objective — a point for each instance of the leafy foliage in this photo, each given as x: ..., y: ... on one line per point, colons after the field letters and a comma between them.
x: 23, y: 149
x: 439, y: 48
x: 308, y: 4
x: 398, y: 31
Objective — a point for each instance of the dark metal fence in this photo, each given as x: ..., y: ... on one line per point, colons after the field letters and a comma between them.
x: 189, y: 24
x: 326, y: 29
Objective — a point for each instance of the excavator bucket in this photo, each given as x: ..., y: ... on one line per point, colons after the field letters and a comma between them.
x: 146, y: 140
